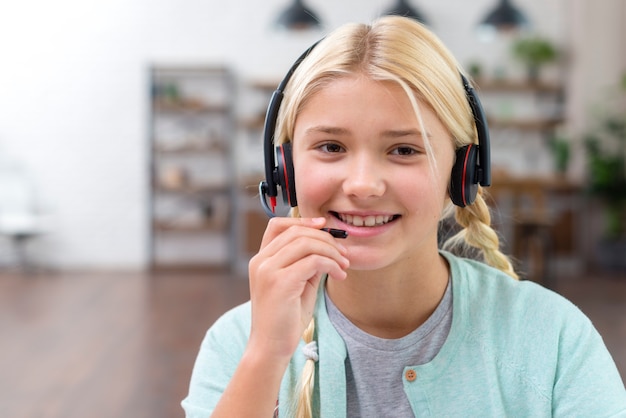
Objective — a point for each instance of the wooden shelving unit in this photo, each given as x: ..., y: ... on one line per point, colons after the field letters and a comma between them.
x: 192, y: 128
x: 537, y: 210
x: 515, y: 90
x: 251, y: 220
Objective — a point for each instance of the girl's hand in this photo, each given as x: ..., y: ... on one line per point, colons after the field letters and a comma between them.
x: 284, y: 278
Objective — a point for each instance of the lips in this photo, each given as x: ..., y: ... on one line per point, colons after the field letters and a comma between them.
x: 365, y: 220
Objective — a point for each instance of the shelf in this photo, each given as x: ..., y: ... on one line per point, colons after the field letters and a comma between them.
x: 267, y: 85
x: 188, y: 106
x: 253, y: 122
x: 193, y: 189
x: 525, y: 124
x: 168, y: 70
x: 552, y: 183
x: 518, y: 86
x: 162, y: 226
x: 215, y: 148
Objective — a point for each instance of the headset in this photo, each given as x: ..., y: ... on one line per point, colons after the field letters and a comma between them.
x: 472, y: 165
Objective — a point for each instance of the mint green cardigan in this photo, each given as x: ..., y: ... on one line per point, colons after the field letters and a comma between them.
x: 514, y: 349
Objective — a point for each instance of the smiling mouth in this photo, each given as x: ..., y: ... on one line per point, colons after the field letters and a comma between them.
x: 368, y: 221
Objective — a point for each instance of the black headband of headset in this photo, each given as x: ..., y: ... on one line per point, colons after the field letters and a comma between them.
x: 482, y: 131
x: 271, y: 116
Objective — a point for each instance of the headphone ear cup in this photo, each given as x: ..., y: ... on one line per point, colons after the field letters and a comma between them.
x: 286, y: 178
x: 463, y: 181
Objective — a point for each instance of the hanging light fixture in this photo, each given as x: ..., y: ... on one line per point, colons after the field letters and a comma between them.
x: 402, y: 8
x: 298, y: 17
x: 505, y: 17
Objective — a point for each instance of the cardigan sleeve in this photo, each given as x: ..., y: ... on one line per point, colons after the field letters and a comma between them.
x: 587, y: 382
x: 219, y: 355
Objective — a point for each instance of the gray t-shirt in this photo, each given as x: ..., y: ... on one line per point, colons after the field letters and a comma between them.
x: 375, y: 366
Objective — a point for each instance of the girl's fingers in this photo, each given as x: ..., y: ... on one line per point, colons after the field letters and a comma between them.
x: 284, y: 233
x: 276, y: 226
x: 288, y: 240
x: 304, y: 246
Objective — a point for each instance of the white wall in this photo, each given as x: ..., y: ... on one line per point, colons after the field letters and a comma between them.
x: 74, y: 97
x: 598, y: 36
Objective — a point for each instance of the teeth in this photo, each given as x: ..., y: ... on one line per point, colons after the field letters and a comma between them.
x: 365, y: 220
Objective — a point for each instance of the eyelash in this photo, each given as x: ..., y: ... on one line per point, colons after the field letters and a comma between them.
x: 325, y: 148
x: 404, y: 148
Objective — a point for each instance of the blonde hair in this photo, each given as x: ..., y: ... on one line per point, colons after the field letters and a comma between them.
x: 401, y: 50
x: 304, y: 404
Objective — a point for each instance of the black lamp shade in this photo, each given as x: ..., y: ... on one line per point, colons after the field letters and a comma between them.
x: 402, y: 8
x: 505, y: 17
x: 298, y: 17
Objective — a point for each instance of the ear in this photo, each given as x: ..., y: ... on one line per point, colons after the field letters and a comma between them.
x: 463, y: 181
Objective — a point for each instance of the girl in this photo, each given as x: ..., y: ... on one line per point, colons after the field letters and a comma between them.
x: 384, y: 322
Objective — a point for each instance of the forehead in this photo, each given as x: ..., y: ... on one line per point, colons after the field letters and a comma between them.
x: 367, y: 104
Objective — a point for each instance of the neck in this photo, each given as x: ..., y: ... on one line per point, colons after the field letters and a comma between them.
x: 392, y: 302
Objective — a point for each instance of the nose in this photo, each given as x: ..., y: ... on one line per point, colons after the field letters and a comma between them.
x: 364, y: 178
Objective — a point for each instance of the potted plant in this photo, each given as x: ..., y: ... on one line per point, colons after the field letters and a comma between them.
x: 606, y: 175
x: 534, y: 52
x: 560, y: 149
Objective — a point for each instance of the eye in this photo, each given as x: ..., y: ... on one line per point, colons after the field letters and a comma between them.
x: 330, y: 147
x: 404, y: 150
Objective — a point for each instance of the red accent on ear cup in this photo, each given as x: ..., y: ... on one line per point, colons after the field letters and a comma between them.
x: 285, y: 176
x: 464, y: 190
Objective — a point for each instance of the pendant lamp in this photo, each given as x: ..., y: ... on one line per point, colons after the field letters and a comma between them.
x: 298, y: 17
x: 505, y: 17
x: 402, y: 8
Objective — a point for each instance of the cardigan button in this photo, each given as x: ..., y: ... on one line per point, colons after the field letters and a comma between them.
x: 410, y: 375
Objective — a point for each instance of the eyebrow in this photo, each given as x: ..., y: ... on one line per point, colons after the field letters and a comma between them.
x: 399, y: 133
x: 326, y: 130
x: 392, y: 133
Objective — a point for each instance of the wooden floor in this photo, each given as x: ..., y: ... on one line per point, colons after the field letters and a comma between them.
x: 123, y: 344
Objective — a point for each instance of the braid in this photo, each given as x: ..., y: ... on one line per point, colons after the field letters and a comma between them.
x: 307, y: 379
x: 477, y: 232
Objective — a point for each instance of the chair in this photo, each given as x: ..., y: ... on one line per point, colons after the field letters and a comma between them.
x: 524, y: 213
x: 20, y: 220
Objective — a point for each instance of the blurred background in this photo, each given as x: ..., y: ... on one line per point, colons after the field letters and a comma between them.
x: 131, y: 151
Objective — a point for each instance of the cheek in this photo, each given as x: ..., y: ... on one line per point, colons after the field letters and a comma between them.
x: 423, y: 192
x: 441, y: 180
x: 313, y: 188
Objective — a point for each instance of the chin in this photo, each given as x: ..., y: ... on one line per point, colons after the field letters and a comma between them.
x: 366, y: 261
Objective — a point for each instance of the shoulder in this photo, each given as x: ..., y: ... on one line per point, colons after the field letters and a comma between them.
x: 516, y: 317
x: 233, y: 326
x: 220, y: 352
x: 225, y: 341
x: 535, y: 334
x: 486, y: 290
